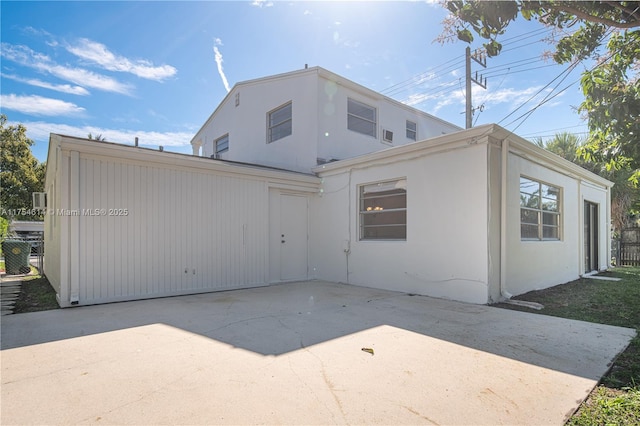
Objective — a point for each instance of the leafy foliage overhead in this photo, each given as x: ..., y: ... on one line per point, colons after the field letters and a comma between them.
x: 490, y: 19
x: 604, y: 31
x: 20, y: 172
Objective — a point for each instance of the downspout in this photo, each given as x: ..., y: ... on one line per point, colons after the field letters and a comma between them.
x: 503, y: 220
x: 581, y: 250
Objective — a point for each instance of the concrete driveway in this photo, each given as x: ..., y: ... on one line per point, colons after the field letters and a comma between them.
x: 291, y: 354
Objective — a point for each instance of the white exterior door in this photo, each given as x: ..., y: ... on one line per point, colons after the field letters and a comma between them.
x: 288, y: 237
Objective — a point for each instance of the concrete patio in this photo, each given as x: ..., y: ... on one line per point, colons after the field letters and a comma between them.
x: 292, y: 354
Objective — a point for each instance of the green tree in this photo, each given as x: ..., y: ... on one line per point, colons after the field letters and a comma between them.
x: 97, y: 137
x: 566, y: 145
x: 20, y: 172
x: 625, y: 195
x: 605, y: 31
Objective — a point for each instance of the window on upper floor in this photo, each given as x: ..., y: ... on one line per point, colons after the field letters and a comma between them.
x: 280, y: 123
x: 539, y: 210
x: 383, y: 210
x: 361, y: 118
x: 222, y: 144
x: 412, y: 130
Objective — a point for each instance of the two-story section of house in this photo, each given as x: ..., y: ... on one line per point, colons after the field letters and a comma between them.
x: 304, y: 118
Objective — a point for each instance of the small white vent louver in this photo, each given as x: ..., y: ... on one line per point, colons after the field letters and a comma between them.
x: 39, y: 200
x: 387, y: 135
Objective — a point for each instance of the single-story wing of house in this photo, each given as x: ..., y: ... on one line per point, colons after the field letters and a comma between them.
x: 476, y: 215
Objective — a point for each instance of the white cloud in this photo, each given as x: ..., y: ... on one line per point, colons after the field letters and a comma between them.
x: 219, y: 60
x: 99, y: 54
x: 90, y: 79
x: 23, y: 55
x: 262, y: 3
x: 64, y: 88
x: 307, y: 12
x: 38, y: 105
x: 39, y: 131
x: 513, y: 97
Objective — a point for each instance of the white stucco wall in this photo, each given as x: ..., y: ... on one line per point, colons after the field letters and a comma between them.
x: 247, y: 125
x: 336, y: 141
x: 319, y: 121
x: 533, y: 265
x: 445, y: 253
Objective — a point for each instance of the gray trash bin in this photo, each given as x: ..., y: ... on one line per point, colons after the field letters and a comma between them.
x: 16, y: 256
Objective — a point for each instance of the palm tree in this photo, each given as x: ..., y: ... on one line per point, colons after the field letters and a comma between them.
x: 98, y: 137
x: 625, y: 195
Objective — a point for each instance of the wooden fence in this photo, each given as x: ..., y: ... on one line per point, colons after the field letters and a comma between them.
x: 628, y: 247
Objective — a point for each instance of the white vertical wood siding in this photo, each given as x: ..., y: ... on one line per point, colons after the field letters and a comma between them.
x: 183, y: 232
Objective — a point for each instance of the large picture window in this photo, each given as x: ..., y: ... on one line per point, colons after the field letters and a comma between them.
x: 383, y: 210
x: 280, y: 123
x: 539, y: 210
x: 361, y: 118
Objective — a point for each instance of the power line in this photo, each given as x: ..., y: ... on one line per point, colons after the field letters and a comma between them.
x: 548, y: 97
x: 424, y: 76
x: 536, y: 94
x: 552, y: 130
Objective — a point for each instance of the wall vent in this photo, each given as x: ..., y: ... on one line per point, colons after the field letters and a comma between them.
x: 39, y: 200
x: 387, y: 135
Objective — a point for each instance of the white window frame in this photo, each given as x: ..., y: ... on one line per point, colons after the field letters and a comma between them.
x: 288, y: 120
x: 382, y: 210
x: 536, y: 212
x: 217, y: 142
x: 413, y: 131
x: 353, y: 118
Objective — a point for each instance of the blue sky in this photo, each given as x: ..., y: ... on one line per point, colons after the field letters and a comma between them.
x: 157, y: 70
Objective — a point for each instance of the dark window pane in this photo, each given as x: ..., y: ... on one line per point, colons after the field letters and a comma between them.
x: 529, y: 231
x: 361, y: 110
x: 280, y: 131
x: 280, y: 115
x: 529, y: 216
x: 361, y: 126
x: 383, y: 211
x: 397, y: 232
x: 222, y: 144
x: 280, y: 123
x: 550, y: 219
x: 550, y: 232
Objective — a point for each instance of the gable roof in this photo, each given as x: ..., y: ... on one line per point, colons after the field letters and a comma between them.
x: 322, y: 72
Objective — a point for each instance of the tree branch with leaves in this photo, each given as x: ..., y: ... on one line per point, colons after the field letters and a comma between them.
x: 605, y: 32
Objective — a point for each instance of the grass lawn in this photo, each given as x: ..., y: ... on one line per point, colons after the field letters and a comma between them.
x: 616, y: 400
x: 36, y: 294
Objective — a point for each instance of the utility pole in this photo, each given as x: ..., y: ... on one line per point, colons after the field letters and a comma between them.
x: 481, y: 81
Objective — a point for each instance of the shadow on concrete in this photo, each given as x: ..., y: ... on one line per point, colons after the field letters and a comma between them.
x: 282, y: 318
